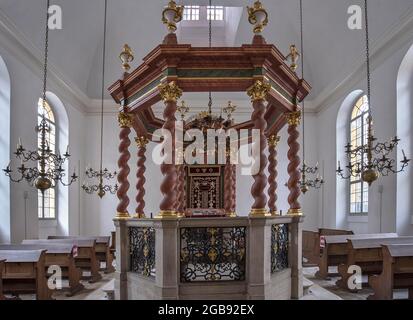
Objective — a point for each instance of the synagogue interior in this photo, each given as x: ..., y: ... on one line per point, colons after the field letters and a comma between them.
x: 206, y: 150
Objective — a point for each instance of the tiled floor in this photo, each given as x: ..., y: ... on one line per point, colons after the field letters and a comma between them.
x: 320, y: 289
x: 327, y: 289
x: 92, y: 291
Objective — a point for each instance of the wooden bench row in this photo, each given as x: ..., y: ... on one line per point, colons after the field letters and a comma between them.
x: 312, y: 243
x: 386, y: 259
x: 24, y: 268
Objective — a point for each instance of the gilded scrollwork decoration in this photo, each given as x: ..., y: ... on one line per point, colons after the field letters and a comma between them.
x: 279, y: 247
x: 213, y: 254
x: 142, y: 251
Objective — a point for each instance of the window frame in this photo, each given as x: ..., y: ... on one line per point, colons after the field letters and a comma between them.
x: 363, y: 136
x: 214, y: 10
x: 191, y: 14
x: 54, y: 123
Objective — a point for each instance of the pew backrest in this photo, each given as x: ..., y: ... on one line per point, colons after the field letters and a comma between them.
x: 21, y: 256
x: 99, y: 239
x: 78, y: 243
x: 51, y: 248
x: 342, y: 239
x: 333, y: 232
x: 399, y: 250
x: 378, y: 242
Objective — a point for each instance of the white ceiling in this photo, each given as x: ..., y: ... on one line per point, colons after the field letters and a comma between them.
x: 331, y: 49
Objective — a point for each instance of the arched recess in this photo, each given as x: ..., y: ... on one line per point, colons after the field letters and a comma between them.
x: 4, y: 152
x: 404, y: 218
x: 343, y: 133
x: 62, y: 135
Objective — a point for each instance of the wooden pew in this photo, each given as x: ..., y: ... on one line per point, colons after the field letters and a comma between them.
x: 85, y: 259
x: 1, y: 278
x: 397, y: 272
x: 113, y: 244
x: 102, y: 249
x: 334, y: 252
x: 367, y: 254
x: 311, y: 243
x: 333, y: 232
x: 24, y: 273
x: 62, y: 255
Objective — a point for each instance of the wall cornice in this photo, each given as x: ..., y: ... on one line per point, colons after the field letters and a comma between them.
x: 28, y: 54
x: 397, y: 36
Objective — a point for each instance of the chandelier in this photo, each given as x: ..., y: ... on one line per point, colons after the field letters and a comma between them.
x: 371, y: 160
x: 49, y: 171
x: 305, y: 183
x: 103, y: 174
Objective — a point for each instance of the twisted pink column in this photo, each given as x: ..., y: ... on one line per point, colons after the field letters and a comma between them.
x: 294, y: 162
x: 260, y: 179
x: 234, y: 188
x: 141, y: 180
x: 168, y: 185
x: 124, y: 170
x: 227, y: 187
x: 273, y: 173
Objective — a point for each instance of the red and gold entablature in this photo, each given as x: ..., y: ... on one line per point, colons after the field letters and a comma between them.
x: 197, y: 69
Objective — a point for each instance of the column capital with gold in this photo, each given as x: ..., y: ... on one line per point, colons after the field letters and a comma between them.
x: 259, y: 90
x: 170, y: 92
x: 141, y: 141
x: 293, y: 118
x: 273, y: 141
x: 125, y: 120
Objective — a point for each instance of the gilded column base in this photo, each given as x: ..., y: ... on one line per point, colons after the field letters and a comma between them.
x: 259, y: 213
x: 181, y: 215
x: 166, y: 214
x: 122, y: 215
x: 275, y: 213
x: 295, y: 212
x: 232, y: 215
x: 139, y: 216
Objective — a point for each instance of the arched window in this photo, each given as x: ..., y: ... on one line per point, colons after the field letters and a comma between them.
x: 47, y: 201
x: 359, y: 190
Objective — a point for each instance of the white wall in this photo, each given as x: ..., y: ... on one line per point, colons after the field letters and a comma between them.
x: 4, y: 152
x: 26, y: 88
x: 382, y: 206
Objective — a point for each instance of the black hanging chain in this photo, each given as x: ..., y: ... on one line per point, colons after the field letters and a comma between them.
x: 366, y: 19
x: 46, y: 55
x: 209, y: 13
x: 103, y: 85
x: 302, y: 72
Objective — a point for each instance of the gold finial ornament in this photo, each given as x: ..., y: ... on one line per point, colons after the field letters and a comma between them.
x: 141, y: 142
x: 183, y: 109
x: 257, y: 16
x: 171, y: 15
x: 292, y: 57
x: 293, y: 118
x: 125, y: 120
x: 126, y: 57
x: 273, y: 141
x: 259, y: 90
x: 170, y: 92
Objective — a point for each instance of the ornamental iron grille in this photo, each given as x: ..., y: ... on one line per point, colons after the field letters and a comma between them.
x: 213, y: 254
x: 142, y: 251
x: 279, y: 247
